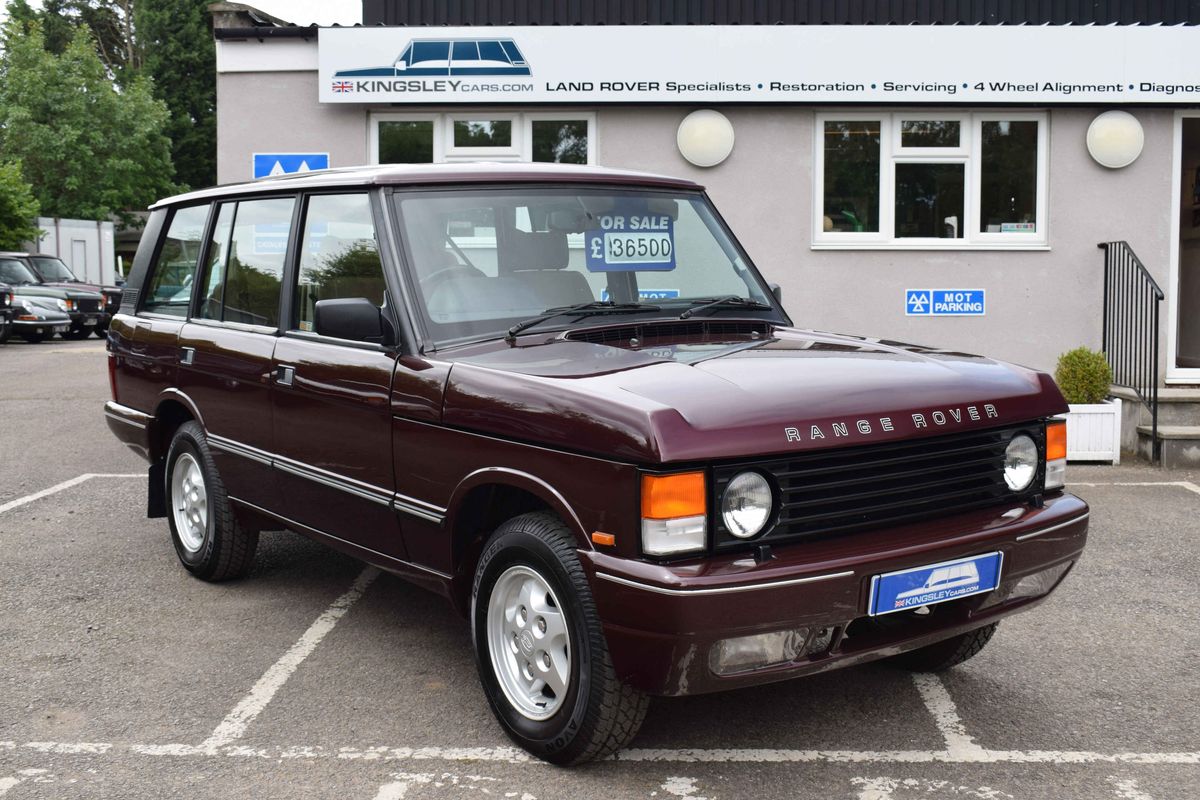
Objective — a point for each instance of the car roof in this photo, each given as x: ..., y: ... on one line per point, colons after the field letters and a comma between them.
x: 23, y: 254
x: 419, y: 174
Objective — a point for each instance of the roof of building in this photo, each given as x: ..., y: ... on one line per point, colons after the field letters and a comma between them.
x: 435, y: 174
x: 241, y: 21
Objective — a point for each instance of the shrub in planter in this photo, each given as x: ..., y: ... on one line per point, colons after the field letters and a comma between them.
x: 1083, y: 375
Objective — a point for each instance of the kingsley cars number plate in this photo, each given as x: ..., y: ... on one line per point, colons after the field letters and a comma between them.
x: 935, y: 583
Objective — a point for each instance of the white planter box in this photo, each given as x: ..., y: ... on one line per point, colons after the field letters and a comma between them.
x: 1094, y: 431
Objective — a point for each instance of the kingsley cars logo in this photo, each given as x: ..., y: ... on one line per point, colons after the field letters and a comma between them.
x: 437, y: 58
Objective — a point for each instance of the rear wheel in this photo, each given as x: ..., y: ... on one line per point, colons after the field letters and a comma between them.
x: 208, y: 540
x: 541, y: 652
x: 951, y: 652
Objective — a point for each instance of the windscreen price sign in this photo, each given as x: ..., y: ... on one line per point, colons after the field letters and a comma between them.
x: 631, y: 238
x: 945, y: 302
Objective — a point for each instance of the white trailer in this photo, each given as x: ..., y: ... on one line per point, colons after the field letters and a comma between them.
x: 87, y: 247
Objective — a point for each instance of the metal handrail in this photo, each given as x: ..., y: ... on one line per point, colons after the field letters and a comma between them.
x: 1131, y: 317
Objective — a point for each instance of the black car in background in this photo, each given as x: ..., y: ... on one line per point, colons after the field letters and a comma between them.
x: 84, y: 309
x: 53, y: 272
x: 6, y: 300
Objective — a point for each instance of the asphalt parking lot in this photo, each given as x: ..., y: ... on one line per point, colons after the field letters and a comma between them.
x: 122, y: 677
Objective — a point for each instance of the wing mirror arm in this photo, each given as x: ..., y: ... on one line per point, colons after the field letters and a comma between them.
x: 777, y: 291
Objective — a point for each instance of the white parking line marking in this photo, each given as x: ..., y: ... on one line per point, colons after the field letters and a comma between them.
x: 37, y: 775
x: 392, y: 791
x: 58, y: 487
x: 1127, y: 788
x: 945, y: 716
x: 886, y: 788
x: 234, y: 725
x: 664, y: 755
x: 1191, y: 487
x: 682, y: 787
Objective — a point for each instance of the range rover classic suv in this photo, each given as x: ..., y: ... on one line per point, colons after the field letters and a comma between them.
x: 565, y: 399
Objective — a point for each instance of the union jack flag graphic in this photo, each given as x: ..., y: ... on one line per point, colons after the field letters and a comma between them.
x: 343, y: 86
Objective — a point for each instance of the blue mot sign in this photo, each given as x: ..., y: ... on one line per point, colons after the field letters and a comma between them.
x: 945, y: 302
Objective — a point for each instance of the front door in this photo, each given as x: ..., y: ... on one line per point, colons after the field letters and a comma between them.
x: 1186, y: 310
x: 332, y: 397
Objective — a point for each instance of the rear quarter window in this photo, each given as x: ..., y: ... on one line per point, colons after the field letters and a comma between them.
x: 169, y: 290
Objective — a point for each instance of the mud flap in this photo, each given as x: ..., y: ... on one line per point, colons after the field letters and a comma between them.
x: 156, y: 494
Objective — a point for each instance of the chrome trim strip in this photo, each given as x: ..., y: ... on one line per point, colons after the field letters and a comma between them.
x: 722, y: 589
x: 1025, y: 536
x: 401, y: 506
x: 333, y: 483
x: 239, y: 449
x: 375, y: 494
x: 126, y: 420
x: 300, y: 526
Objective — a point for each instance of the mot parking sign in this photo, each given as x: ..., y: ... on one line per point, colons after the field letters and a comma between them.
x: 945, y: 302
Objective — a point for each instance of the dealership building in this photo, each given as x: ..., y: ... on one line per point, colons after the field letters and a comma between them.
x: 939, y: 173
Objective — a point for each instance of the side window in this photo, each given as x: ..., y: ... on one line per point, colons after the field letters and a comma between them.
x: 170, y: 288
x: 338, y: 255
x: 212, y: 296
x: 245, y: 277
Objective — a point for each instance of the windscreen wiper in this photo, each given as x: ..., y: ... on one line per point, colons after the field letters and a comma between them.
x: 732, y: 300
x: 582, y: 309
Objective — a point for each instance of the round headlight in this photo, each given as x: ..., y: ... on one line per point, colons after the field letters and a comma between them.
x: 1020, y: 462
x: 746, y: 504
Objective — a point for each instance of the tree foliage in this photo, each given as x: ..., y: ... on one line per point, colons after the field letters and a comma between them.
x: 109, y: 21
x: 18, y: 208
x: 176, y: 39
x: 89, y: 148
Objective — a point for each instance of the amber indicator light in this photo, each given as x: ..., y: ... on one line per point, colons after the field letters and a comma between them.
x: 605, y: 539
x: 1056, y: 440
x: 672, y: 496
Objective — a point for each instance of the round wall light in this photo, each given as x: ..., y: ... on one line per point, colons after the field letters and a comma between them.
x: 705, y: 138
x: 1115, y: 139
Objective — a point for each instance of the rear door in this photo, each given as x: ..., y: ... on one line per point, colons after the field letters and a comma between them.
x: 227, y: 345
x: 332, y: 396
x: 150, y: 359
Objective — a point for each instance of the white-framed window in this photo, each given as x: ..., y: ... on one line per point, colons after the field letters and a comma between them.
x: 930, y: 180
x: 545, y: 136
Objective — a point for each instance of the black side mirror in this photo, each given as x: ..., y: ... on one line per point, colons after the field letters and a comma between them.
x: 353, y: 318
x: 776, y: 290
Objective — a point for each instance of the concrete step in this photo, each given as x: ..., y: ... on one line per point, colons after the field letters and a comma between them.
x: 1176, y: 406
x: 1179, y: 445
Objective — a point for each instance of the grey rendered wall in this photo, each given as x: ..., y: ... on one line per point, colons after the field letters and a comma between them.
x: 278, y: 112
x: 1039, y: 303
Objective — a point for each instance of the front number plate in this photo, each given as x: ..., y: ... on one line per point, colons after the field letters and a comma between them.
x: 935, y: 583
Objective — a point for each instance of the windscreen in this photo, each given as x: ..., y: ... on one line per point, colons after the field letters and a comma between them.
x: 486, y: 259
x: 15, y: 273
x: 53, y: 269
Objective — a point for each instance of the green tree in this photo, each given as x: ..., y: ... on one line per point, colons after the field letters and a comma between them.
x: 176, y: 38
x: 88, y: 148
x: 18, y: 208
x: 110, y: 22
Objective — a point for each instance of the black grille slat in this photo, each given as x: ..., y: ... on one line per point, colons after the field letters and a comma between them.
x: 652, y: 332
x: 854, y: 488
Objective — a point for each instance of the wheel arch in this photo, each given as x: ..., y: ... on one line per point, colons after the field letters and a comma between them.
x: 485, y: 499
x: 173, y: 410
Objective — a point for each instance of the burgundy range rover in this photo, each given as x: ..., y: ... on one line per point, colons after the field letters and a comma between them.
x: 565, y: 399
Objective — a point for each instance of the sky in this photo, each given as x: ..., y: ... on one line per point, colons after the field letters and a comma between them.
x: 302, y: 12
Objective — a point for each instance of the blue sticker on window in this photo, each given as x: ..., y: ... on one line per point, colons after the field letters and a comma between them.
x: 631, y: 238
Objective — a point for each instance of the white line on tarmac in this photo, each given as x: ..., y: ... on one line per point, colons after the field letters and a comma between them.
x: 1127, y: 788
x: 1191, y: 487
x: 234, y: 725
x: 665, y: 755
x: 945, y: 715
x: 58, y: 487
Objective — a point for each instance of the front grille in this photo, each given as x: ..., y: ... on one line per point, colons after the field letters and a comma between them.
x: 89, y: 305
x: 831, y: 492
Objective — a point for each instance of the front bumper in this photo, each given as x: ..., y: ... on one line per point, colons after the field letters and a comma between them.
x: 661, y: 621
x: 89, y: 319
x: 46, y: 326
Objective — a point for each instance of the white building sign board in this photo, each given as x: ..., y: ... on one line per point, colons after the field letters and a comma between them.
x: 761, y: 64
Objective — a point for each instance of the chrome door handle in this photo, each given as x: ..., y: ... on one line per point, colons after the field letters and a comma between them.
x: 284, y: 375
x: 187, y: 355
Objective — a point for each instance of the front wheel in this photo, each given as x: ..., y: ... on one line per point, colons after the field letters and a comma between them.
x: 208, y: 540
x: 941, y: 656
x: 540, y: 649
